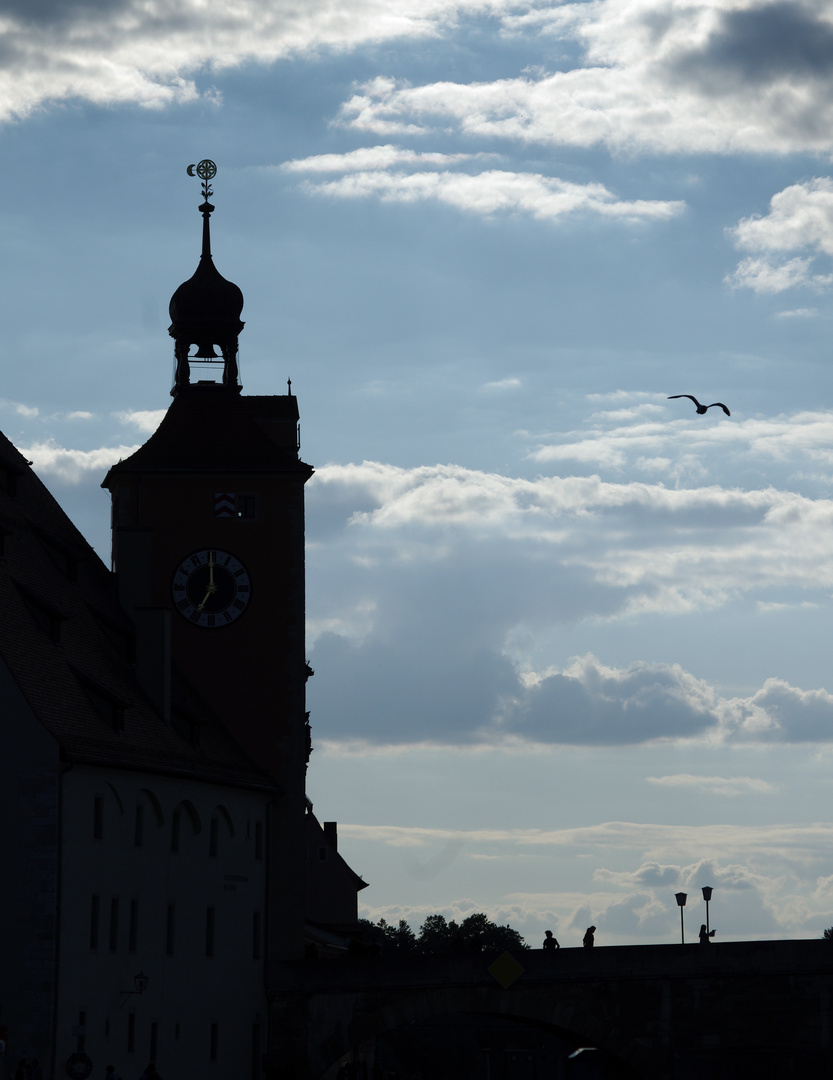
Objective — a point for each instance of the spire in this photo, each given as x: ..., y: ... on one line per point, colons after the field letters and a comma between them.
x: 205, y: 310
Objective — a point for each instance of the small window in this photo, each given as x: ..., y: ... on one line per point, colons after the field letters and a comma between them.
x: 131, y: 1033
x: 322, y: 854
x: 209, y: 931
x: 154, y: 1041
x: 256, y: 936
x: 98, y: 817
x: 213, y: 838
x: 247, y: 506
x: 114, y: 924
x: 214, y: 1038
x: 176, y: 818
x: 169, y: 931
x: 133, y: 932
x: 256, y: 1053
x: 139, y: 826
x: 95, y: 907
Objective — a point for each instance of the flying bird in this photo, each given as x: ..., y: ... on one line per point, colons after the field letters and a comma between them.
x: 701, y: 408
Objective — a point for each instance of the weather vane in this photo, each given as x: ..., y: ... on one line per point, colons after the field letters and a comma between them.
x: 206, y: 170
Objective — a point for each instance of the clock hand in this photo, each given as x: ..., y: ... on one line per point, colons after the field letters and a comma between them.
x: 212, y: 588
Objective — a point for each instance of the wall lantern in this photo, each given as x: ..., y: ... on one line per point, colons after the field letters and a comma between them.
x: 141, y: 980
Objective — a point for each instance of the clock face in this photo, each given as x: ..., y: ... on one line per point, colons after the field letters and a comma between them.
x: 211, y: 588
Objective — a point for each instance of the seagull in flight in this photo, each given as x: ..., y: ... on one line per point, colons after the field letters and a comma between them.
x: 701, y: 408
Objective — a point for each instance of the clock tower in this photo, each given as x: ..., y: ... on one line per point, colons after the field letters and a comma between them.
x: 208, y: 549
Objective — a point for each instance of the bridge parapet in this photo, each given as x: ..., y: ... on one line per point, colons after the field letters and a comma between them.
x: 733, y: 1009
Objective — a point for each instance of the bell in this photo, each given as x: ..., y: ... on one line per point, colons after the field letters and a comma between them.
x: 205, y: 351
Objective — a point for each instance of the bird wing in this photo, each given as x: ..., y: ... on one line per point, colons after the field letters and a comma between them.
x: 691, y: 396
x: 719, y: 404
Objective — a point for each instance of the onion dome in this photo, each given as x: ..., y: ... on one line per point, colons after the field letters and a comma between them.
x: 205, y: 309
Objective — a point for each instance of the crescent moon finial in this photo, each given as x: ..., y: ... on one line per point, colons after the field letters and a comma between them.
x: 190, y: 170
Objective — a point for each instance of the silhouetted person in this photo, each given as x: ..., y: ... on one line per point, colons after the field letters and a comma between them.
x: 701, y: 409
x: 110, y: 1073
x: 589, y: 939
x: 550, y: 942
x: 705, y: 934
x: 150, y: 1072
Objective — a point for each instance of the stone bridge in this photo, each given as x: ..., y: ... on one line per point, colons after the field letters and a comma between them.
x: 661, y: 1012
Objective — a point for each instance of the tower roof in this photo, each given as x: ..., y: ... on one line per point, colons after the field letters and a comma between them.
x: 205, y: 309
x: 209, y: 429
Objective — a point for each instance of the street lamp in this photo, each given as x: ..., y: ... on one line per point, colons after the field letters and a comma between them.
x: 681, y: 899
x: 707, y: 895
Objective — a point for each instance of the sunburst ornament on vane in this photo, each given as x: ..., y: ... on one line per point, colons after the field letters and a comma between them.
x: 206, y: 170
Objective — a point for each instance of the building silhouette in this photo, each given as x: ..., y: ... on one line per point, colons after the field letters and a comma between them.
x: 160, y: 860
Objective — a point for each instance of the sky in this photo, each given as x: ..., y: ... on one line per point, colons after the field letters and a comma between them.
x: 571, y: 639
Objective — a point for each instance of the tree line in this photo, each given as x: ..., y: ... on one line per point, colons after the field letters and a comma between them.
x: 438, y: 937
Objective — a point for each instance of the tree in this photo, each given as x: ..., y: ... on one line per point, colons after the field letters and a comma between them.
x: 828, y: 934
x: 398, y: 939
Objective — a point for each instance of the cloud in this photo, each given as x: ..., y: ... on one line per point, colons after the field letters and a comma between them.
x: 717, y: 785
x: 145, y: 420
x: 152, y: 54
x: 590, y: 703
x: 430, y: 586
x: 800, y: 219
x: 73, y: 466
x: 496, y: 191
x: 681, y: 77
x: 373, y: 159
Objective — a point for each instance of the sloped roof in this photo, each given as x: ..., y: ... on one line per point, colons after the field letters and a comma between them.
x: 69, y: 647
x: 214, y: 428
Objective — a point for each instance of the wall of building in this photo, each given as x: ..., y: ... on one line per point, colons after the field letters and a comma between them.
x: 166, y: 877
x: 29, y: 822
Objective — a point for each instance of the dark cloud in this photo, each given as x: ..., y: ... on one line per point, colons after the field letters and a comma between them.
x: 58, y: 12
x: 801, y: 715
x: 393, y: 693
x: 755, y: 46
x: 600, y: 706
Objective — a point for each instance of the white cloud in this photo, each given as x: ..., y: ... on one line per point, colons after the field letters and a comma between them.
x: 145, y: 420
x: 500, y: 385
x: 800, y: 219
x: 373, y: 159
x: 717, y: 785
x: 494, y: 191
x: 681, y: 77
x: 73, y: 466
x: 800, y: 216
x: 148, y: 54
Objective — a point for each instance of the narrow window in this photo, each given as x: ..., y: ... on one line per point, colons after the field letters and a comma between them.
x: 114, y: 924
x: 131, y: 1033
x: 139, y: 826
x: 258, y: 839
x: 98, y: 817
x: 322, y: 854
x: 82, y: 1026
x: 94, y: 910
x: 133, y: 932
x: 209, y: 931
x: 154, y: 1041
x: 175, y: 820
x: 169, y: 931
x: 212, y: 1051
x: 213, y: 838
x: 256, y: 936
x: 256, y: 1053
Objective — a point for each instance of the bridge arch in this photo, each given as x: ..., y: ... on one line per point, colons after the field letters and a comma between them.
x: 577, y: 1023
